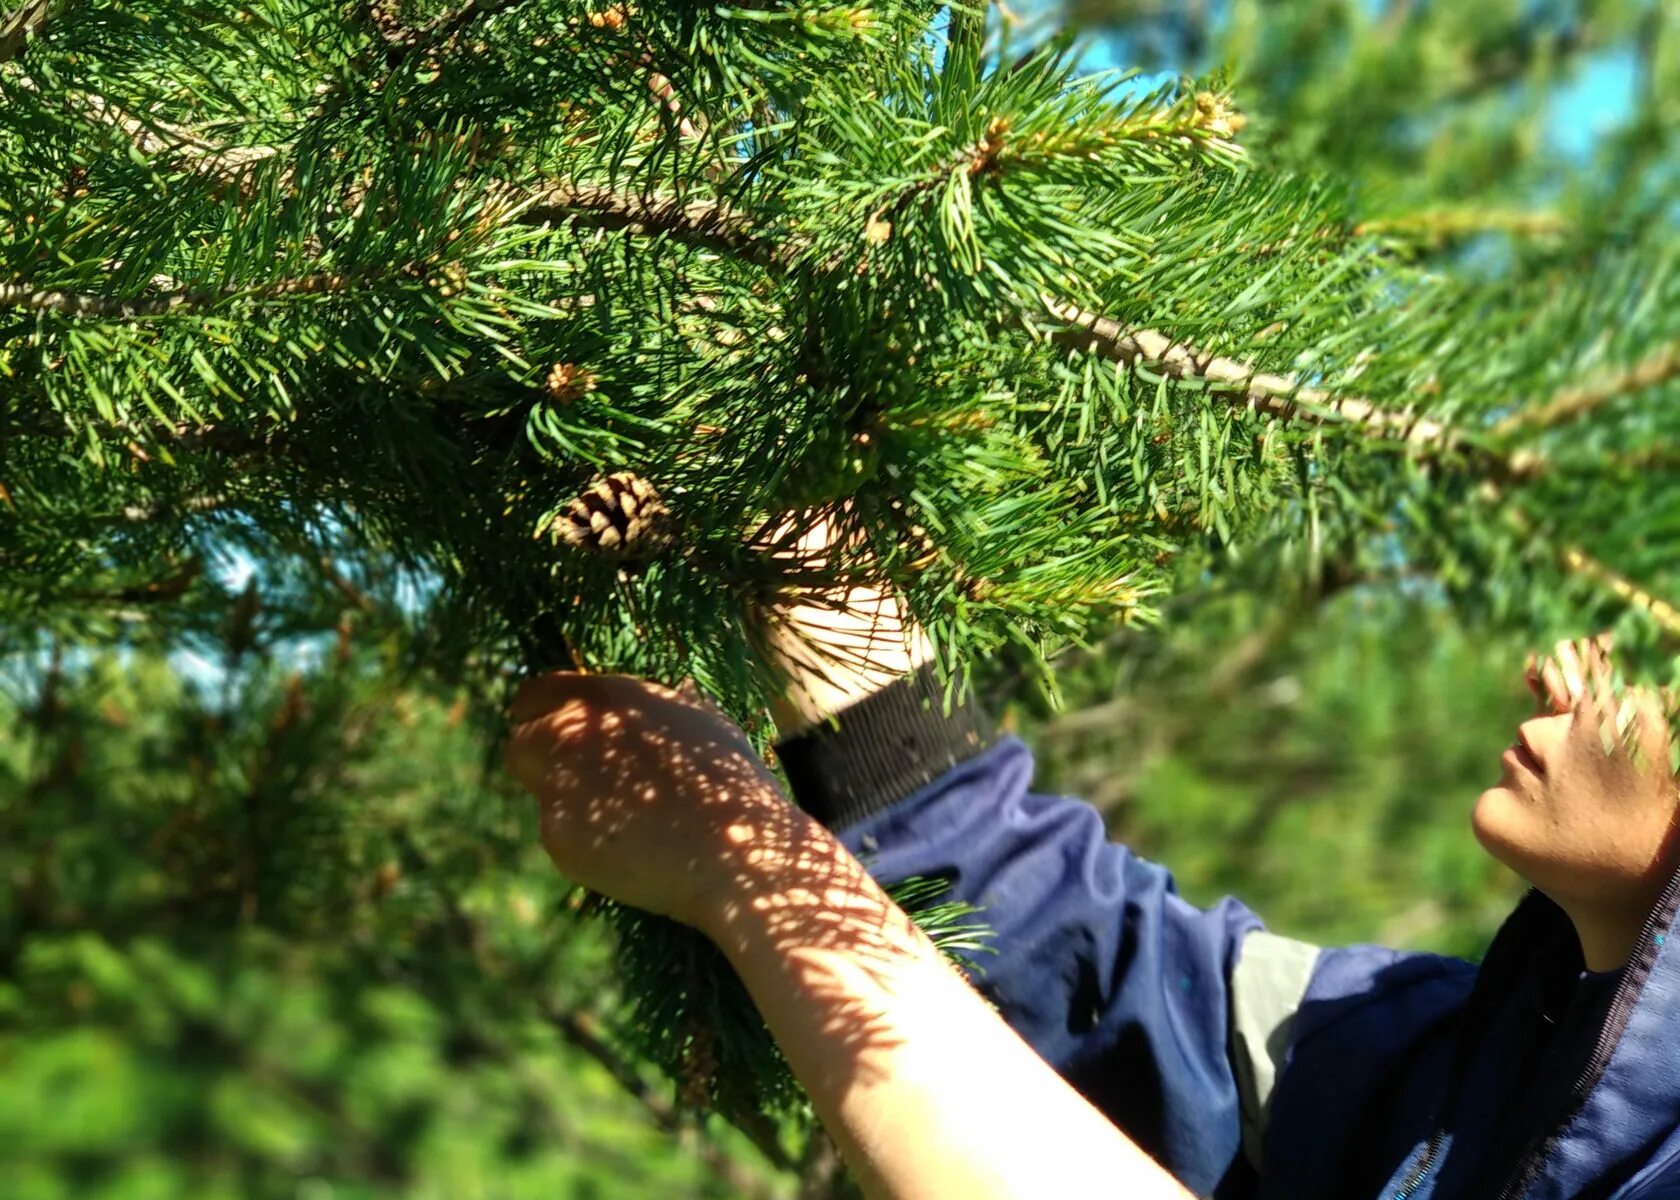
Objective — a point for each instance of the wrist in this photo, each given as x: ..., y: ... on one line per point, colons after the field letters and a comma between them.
x: 797, y: 889
x: 876, y: 752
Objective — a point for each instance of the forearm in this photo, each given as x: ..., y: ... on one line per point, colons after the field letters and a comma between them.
x: 924, y: 1088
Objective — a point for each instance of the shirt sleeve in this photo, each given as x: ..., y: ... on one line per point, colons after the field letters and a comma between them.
x: 1119, y: 983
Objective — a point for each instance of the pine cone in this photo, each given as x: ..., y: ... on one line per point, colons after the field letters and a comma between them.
x: 620, y: 514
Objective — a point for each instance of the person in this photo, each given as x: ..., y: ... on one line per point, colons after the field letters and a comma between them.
x: 1120, y: 1041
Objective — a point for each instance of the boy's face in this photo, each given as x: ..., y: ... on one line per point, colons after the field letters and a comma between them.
x: 1585, y: 826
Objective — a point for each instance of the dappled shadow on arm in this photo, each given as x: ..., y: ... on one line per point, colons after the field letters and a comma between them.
x: 659, y: 802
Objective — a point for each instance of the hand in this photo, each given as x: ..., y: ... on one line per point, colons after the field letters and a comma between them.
x: 646, y: 795
x: 1578, y: 678
x: 1560, y: 681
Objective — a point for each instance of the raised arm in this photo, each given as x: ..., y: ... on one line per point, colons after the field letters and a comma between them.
x: 1172, y: 1020
x: 659, y: 802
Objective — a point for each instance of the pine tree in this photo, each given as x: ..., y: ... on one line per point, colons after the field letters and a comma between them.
x: 412, y: 293
x: 286, y: 934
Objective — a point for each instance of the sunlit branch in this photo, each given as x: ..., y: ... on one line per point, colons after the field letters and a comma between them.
x: 1263, y: 392
x: 711, y: 226
x: 1662, y: 612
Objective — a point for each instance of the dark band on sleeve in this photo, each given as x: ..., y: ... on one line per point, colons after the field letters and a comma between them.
x: 873, y: 753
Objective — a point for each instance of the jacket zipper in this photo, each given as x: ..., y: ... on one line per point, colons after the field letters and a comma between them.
x: 1432, y: 1148
x: 1615, y: 1024
x: 1425, y: 1164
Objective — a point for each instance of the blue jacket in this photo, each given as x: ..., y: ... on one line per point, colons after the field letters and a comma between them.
x: 1255, y: 1066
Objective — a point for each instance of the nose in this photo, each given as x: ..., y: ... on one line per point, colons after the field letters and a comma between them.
x: 1543, y: 734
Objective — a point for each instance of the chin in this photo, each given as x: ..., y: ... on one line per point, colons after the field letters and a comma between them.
x: 1496, y: 818
x: 1513, y: 833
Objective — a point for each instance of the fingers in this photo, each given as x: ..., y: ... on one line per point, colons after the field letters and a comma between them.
x: 1601, y: 674
x: 1600, y: 699
x: 1580, y: 677
x: 1576, y: 672
x: 1554, y: 685
x: 542, y: 694
x: 1573, y: 667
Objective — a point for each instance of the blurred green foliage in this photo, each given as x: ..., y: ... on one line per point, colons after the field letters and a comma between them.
x: 1317, y: 761
x: 292, y: 937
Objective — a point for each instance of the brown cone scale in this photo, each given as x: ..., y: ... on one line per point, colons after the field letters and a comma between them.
x: 619, y: 515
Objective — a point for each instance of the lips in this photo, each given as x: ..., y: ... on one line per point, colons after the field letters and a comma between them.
x: 1524, y: 754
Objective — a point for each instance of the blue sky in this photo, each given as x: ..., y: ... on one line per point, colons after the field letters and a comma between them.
x: 1598, y: 95
x: 1597, y: 99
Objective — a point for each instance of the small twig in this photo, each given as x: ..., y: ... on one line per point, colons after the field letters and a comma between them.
x: 153, y: 136
x: 160, y: 591
x: 1437, y: 226
x: 341, y: 584
x: 1578, y: 562
x: 1529, y: 46
x: 141, y: 513
x: 81, y: 304
x: 404, y: 39
x: 700, y: 223
x: 128, y: 308
x: 581, y: 1031
x: 822, y: 1172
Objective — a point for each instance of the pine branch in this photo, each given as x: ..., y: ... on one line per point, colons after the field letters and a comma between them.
x: 1575, y: 402
x: 713, y: 226
x: 1272, y: 395
x: 1662, y: 612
